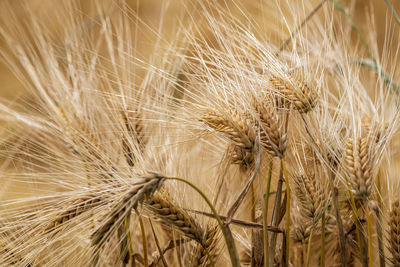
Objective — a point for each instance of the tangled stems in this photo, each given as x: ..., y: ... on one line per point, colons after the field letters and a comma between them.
x: 230, y: 243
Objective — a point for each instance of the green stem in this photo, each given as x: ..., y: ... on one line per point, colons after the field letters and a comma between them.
x: 265, y: 213
x: 339, y: 7
x: 230, y: 242
x: 375, y: 66
x: 396, y: 17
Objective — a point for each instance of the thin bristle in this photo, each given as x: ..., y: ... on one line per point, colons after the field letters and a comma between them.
x: 274, y: 122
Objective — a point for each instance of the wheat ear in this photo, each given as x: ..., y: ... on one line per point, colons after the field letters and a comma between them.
x: 359, y: 166
x: 207, y: 248
x: 394, y: 233
x: 129, y: 201
x: 296, y: 91
x: 272, y: 137
x: 163, y: 208
x: 311, y: 196
x: 237, y: 129
x: 78, y: 207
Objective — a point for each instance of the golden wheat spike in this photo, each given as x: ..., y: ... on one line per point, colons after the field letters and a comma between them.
x: 208, y: 248
x: 311, y: 196
x: 78, y: 207
x: 163, y: 208
x: 358, y: 163
x: 394, y: 233
x: 234, y: 126
x: 272, y: 137
x: 122, y: 207
x: 237, y: 128
x: 296, y: 91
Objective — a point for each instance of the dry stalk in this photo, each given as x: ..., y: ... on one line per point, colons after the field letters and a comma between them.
x: 136, y: 194
x: 257, y: 242
x: 137, y: 138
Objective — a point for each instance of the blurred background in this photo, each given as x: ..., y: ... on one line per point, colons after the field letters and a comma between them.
x: 172, y: 12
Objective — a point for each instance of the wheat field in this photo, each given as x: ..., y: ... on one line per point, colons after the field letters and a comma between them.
x: 199, y: 133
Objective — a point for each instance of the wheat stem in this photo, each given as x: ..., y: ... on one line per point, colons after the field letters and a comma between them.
x: 357, y: 222
x: 158, y: 245
x: 276, y: 214
x: 379, y: 223
x: 309, y: 16
x: 245, y: 190
x: 323, y: 239
x: 397, y: 18
x: 287, y: 226
x: 144, y: 243
x: 339, y: 222
x: 369, y: 229
x: 309, y: 248
x: 265, y: 213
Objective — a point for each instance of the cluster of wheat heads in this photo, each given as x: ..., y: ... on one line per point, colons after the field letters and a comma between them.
x: 222, y: 149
